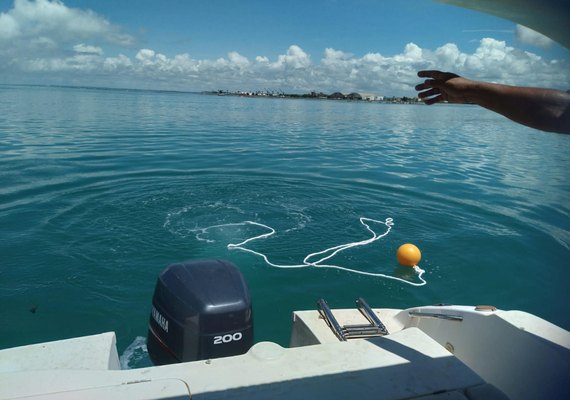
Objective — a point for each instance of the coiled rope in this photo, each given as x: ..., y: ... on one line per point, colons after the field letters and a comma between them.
x: 323, y: 254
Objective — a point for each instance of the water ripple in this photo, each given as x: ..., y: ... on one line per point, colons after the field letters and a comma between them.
x: 100, y: 190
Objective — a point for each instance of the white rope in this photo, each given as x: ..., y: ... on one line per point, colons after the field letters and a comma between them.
x: 332, y: 250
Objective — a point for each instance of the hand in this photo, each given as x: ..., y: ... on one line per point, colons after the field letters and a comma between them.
x: 443, y: 86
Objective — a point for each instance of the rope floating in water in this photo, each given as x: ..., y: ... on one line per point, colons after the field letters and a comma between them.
x: 325, y: 254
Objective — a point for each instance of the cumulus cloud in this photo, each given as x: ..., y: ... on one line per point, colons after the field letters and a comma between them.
x: 83, y: 48
x: 146, y: 56
x: 238, y: 60
x: 295, y: 58
x: 54, y: 22
x: 45, y: 40
x: 337, y: 70
x: 121, y: 62
x: 528, y: 36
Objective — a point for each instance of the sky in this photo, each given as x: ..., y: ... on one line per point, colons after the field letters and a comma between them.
x: 296, y: 46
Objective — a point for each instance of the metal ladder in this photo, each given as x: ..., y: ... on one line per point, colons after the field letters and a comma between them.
x: 345, y: 332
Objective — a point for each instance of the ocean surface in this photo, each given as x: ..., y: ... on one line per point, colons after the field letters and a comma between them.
x: 100, y: 190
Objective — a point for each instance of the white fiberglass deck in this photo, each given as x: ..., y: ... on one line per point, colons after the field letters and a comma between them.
x: 482, y: 356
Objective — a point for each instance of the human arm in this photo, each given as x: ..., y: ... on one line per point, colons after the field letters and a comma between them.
x: 543, y: 109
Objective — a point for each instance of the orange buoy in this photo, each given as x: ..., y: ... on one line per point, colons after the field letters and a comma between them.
x: 408, y: 255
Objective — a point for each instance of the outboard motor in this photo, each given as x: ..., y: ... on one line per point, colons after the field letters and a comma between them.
x: 200, y: 310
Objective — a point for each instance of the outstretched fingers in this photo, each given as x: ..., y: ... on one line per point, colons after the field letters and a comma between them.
x: 430, y: 92
x: 434, y: 74
x: 430, y: 74
x: 428, y: 84
x: 432, y: 100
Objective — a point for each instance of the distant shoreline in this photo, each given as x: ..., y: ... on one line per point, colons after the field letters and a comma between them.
x: 337, y: 96
x: 364, y: 97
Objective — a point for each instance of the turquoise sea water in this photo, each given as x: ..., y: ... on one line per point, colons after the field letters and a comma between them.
x: 102, y: 189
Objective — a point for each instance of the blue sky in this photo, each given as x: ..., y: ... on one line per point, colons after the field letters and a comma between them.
x: 327, y: 45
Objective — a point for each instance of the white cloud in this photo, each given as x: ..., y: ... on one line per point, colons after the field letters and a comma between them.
x: 121, y: 62
x: 30, y: 19
x: 9, y: 27
x: 42, y: 40
x: 295, y: 58
x: 528, y: 36
x: 145, y: 56
x: 333, y: 56
x: 493, y: 60
x: 83, y: 48
x: 238, y: 60
x: 43, y: 43
x: 412, y: 53
x: 83, y: 63
x: 449, y: 57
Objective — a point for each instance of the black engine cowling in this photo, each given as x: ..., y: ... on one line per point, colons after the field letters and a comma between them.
x: 200, y: 310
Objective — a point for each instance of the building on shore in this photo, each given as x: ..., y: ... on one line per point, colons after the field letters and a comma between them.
x: 371, y: 97
x: 355, y: 96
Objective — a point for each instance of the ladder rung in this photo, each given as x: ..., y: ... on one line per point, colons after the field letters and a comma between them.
x: 374, y: 328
